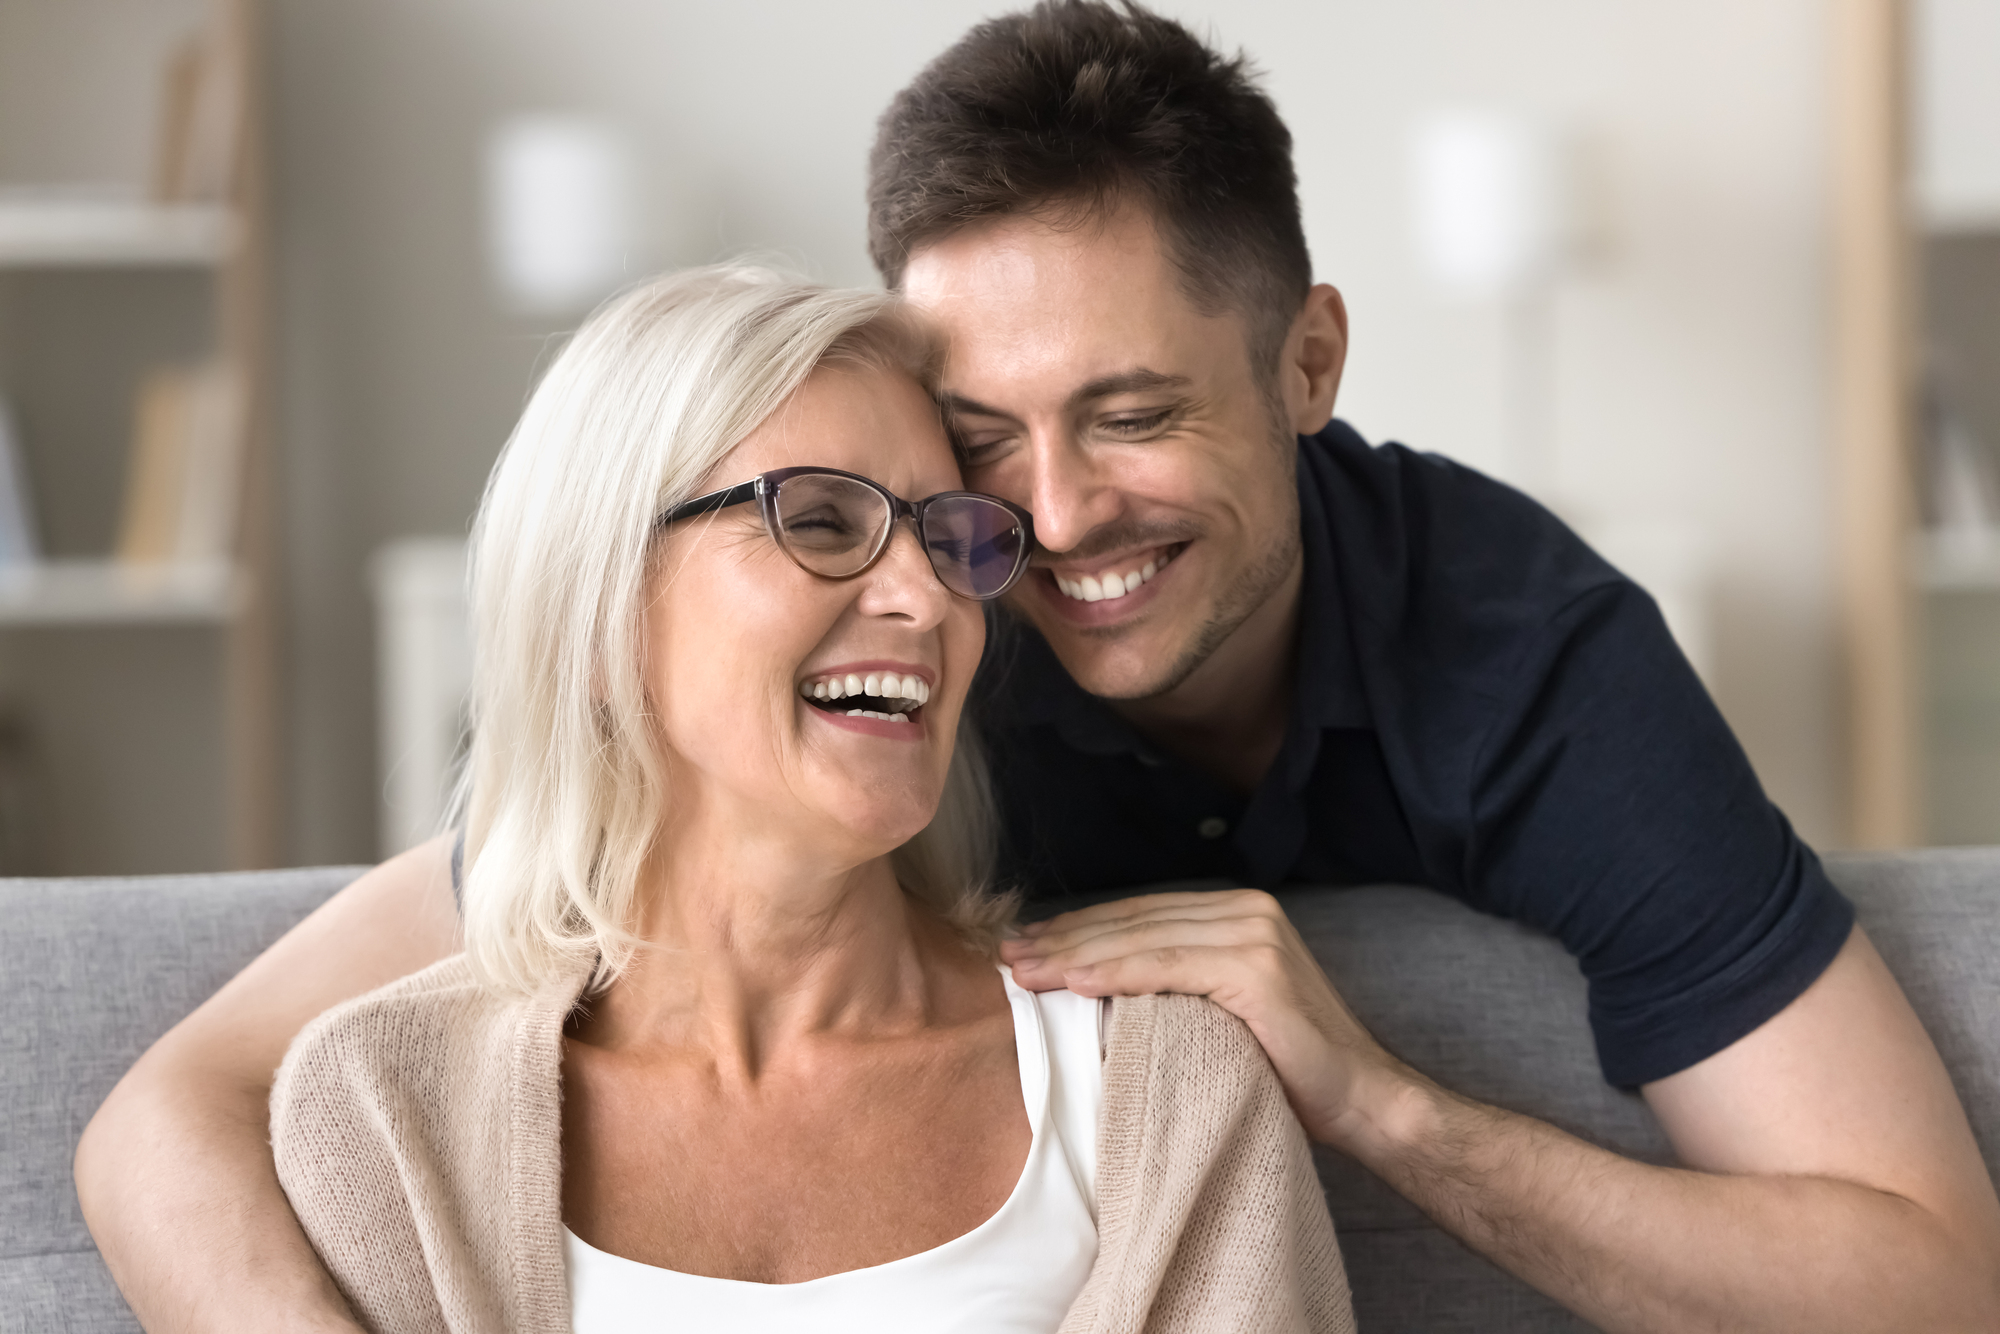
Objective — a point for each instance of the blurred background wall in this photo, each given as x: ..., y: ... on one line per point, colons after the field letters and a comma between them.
x: 1687, y: 376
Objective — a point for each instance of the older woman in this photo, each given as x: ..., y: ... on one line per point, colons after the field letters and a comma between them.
x: 728, y: 1048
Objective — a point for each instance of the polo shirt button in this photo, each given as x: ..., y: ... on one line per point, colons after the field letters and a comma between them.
x: 1213, y: 827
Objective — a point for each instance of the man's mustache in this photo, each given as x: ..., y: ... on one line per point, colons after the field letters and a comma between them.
x: 1111, y: 538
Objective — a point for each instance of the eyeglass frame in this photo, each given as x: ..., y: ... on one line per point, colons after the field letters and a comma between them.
x: 763, y: 488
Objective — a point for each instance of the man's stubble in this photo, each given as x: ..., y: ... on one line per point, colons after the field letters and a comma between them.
x: 1252, y: 588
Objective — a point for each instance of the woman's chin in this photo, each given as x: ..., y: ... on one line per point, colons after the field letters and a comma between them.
x: 881, y: 828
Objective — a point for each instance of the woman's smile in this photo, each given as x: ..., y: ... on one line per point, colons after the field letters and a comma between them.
x: 876, y: 697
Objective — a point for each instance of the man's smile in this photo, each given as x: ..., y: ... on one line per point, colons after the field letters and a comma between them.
x: 1116, y: 578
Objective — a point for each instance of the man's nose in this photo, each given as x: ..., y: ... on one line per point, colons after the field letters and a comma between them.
x: 1068, y: 495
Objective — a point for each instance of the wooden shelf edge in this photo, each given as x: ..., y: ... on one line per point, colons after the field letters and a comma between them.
x: 104, y: 592
x: 1958, y: 563
x: 84, y: 233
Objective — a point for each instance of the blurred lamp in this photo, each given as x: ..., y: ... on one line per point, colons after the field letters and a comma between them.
x: 559, y: 211
x: 1495, y: 200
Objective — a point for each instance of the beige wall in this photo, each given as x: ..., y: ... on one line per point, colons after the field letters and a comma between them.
x: 1689, y: 362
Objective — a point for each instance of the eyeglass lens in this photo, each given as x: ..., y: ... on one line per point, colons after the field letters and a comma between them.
x: 974, y: 545
x: 835, y: 526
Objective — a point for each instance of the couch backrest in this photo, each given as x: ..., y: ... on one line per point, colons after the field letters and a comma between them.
x: 1497, y: 1012
x: 92, y: 971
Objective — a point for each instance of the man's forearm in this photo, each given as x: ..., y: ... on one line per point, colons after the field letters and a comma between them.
x: 179, y: 1193
x: 1633, y: 1247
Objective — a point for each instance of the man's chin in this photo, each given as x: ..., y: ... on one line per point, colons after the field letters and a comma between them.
x: 1132, y: 659
x: 1117, y: 666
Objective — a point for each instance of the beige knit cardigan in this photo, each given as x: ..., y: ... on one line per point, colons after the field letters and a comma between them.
x: 418, y: 1135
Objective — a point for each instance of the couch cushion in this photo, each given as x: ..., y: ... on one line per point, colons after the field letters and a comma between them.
x: 91, y: 972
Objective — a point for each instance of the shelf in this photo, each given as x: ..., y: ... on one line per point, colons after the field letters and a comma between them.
x: 55, y: 231
x: 107, y: 592
x: 1958, y: 562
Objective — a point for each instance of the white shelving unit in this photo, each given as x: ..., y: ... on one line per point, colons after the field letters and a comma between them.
x: 44, y: 231
x: 54, y: 230
x: 149, y: 691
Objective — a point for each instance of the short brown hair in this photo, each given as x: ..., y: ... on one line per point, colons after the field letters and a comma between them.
x: 1075, y: 105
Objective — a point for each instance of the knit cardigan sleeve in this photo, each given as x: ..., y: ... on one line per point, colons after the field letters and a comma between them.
x: 1210, y: 1214
x: 417, y: 1134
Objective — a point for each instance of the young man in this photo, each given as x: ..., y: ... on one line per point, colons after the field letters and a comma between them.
x: 1256, y: 649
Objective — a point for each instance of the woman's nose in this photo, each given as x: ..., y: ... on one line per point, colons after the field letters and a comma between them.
x: 903, y: 581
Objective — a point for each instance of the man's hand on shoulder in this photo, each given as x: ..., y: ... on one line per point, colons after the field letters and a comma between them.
x: 1239, y: 949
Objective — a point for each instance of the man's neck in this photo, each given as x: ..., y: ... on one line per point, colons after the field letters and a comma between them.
x: 1228, y: 718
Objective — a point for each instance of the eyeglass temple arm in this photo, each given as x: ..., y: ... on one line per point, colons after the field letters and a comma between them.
x: 713, y: 501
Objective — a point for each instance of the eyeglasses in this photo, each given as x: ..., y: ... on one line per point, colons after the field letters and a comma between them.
x: 837, y: 524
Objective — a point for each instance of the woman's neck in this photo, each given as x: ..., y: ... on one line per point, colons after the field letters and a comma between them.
x: 749, y: 947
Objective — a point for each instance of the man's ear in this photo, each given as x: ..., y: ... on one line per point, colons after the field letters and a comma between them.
x: 1315, y: 352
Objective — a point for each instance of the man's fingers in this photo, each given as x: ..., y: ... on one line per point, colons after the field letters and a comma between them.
x: 1256, y: 940
x: 1150, y: 932
x: 1194, y: 970
x: 1137, y: 905
x: 1070, y: 928
x: 1109, y: 916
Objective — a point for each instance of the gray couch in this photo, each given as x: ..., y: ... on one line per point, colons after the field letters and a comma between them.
x: 91, y: 971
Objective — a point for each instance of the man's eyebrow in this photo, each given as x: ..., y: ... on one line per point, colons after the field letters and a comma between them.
x: 959, y: 404
x: 1124, y: 382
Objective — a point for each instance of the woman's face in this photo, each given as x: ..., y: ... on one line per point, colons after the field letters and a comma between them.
x: 737, y: 637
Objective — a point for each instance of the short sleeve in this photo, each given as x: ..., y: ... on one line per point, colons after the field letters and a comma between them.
x: 1612, y: 807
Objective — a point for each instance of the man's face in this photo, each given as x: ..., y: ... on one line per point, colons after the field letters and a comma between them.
x: 1159, y: 469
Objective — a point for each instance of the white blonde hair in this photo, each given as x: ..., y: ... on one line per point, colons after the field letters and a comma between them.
x: 564, y: 790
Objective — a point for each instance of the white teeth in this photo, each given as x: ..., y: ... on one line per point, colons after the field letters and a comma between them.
x: 1100, y: 588
x: 878, y: 717
x: 882, y: 685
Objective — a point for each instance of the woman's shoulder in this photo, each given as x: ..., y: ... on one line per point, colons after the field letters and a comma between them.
x: 434, y: 1002
x: 436, y: 1030
x: 1191, y: 1035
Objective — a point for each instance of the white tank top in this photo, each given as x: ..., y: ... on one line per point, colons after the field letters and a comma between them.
x: 1015, y: 1273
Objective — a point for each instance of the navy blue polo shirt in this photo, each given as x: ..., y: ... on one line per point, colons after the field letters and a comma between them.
x: 1483, y: 706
